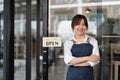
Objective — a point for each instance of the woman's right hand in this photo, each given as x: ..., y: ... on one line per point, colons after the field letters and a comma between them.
x: 94, y: 58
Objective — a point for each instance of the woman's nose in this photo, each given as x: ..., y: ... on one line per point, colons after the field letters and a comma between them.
x: 81, y: 26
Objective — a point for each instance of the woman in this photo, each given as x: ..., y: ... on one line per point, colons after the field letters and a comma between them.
x: 81, y: 51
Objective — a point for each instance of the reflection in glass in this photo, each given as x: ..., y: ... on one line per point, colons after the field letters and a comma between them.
x: 1, y: 46
x: 104, y: 24
x: 20, y: 41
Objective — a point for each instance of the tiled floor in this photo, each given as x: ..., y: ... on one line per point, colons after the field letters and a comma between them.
x: 58, y: 71
x: 20, y: 70
x: 55, y: 72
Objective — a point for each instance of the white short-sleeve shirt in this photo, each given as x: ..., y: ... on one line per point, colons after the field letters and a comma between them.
x: 69, y: 43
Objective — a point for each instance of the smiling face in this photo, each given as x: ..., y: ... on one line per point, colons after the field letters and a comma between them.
x: 79, y: 24
x: 80, y: 28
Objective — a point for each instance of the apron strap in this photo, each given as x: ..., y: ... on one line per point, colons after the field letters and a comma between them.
x: 73, y: 41
x: 88, y: 40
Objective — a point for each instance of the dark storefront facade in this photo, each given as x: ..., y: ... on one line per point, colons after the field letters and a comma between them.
x: 21, y: 47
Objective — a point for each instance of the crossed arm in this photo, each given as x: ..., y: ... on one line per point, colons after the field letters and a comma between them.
x: 83, y: 61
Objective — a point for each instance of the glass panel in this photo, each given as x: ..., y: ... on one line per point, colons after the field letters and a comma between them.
x: 109, y: 35
x: 1, y: 5
x: 1, y: 46
x: 104, y: 24
x: 20, y: 40
x: 54, y: 2
x: 1, y: 39
x: 33, y: 25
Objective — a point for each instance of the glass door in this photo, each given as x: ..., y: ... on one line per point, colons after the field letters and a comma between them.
x: 109, y: 36
x: 104, y: 24
x: 1, y: 46
x: 1, y: 39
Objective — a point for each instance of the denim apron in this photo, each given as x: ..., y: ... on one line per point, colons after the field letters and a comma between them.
x: 80, y: 72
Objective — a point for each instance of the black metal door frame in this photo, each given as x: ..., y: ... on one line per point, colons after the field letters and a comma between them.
x: 28, y: 39
x: 8, y: 56
x: 42, y: 16
x: 38, y: 42
x: 45, y: 34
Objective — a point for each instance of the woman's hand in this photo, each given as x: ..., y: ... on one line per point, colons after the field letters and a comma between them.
x: 94, y: 58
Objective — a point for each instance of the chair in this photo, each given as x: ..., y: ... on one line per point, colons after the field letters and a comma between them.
x: 115, y: 60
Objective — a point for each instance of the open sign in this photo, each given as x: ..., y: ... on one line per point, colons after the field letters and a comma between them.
x: 51, y: 41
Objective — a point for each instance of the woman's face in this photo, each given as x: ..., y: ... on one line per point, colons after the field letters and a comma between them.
x: 80, y: 29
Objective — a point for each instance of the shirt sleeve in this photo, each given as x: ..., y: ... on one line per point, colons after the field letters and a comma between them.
x: 67, y: 52
x: 95, y: 51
